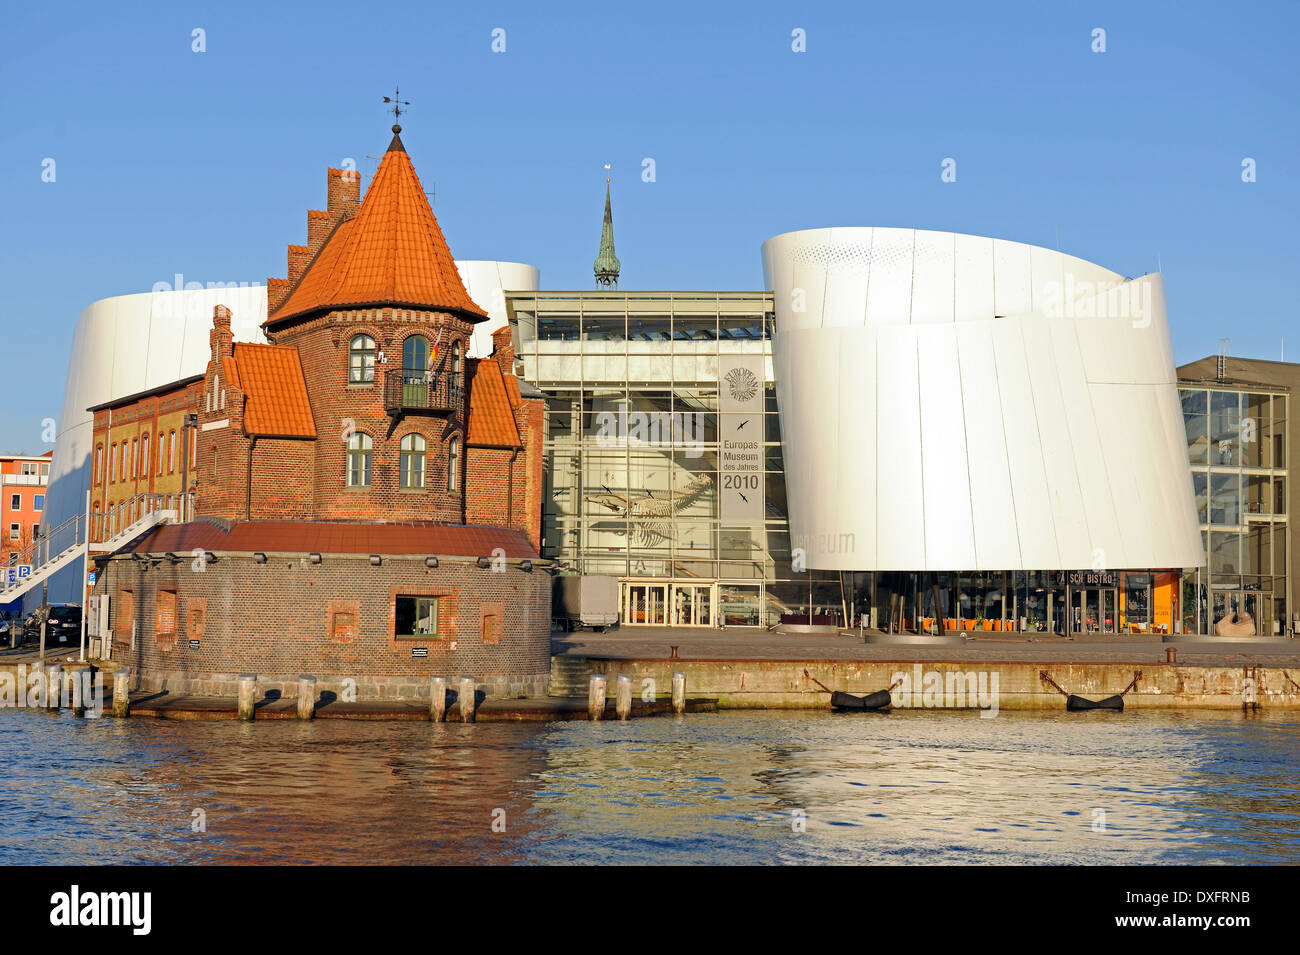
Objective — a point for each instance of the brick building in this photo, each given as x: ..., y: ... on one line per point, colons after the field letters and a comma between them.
x: 362, y: 500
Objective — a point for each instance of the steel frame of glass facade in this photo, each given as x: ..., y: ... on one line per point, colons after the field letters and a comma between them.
x: 631, y: 472
x: 1237, y: 446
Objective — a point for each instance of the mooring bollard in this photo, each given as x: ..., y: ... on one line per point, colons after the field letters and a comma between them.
x: 247, y: 696
x: 53, y: 686
x: 437, y: 698
x: 679, y: 693
x: 1171, y: 655
x: 306, y: 697
x: 623, y: 697
x: 465, y: 699
x: 122, y: 693
x: 596, y: 697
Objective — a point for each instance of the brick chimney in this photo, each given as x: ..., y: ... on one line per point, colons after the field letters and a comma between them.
x: 503, y: 349
x: 318, y: 229
x: 220, y: 338
x: 344, y: 191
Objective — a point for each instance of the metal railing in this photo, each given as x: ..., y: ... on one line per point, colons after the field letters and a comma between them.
x: 25, y: 480
x: 105, y: 525
x: 440, y: 394
x: 70, y: 537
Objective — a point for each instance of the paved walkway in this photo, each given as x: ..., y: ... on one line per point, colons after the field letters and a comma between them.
x: 655, y: 643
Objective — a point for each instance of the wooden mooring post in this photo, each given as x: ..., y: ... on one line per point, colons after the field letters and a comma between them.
x: 122, y: 693
x: 623, y: 699
x: 465, y: 698
x: 596, y: 697
x: 53, y: 686
x: 247, y: 707
x: 679, y: 693
x: 306, y: 697
x: 437, y: 698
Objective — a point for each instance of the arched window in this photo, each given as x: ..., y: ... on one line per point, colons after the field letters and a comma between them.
x: 457, y: 372
x: 415, y: 357
x: 412, y: 461
x: 160, y: 453
x: 361, y: 360
x: 146, y: 462
x: 171, y: 454
x: 99, y: 464
x: 453, y: 464
x: 360, y: 448
x: 112, y: 463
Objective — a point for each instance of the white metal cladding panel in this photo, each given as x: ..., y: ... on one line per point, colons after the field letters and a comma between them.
x: 486, y: 282
x: 949, y: 532
x: 1175, y: 474
x: 1060, y: 468
x: 934, y: 280
x: 846, y: 296
x: 808, y: 291
x: 1035, y: 519
x: 974, y: 278
x: 1104, y: 534
x: 900, y: 512
x: 1067, y: 506
x: 889, y: 292
x: 827, y: 470
x: 1135, y: 458
x: 1011, y: 295
x: 1047, y: 272
x: 857, y: 443
x: 988, y: 456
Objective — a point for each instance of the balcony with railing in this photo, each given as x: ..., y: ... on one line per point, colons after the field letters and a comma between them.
x: 406, y: 393
x: 25, y: 480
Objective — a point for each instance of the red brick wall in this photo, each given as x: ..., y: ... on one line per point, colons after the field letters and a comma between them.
x: 275, y: 619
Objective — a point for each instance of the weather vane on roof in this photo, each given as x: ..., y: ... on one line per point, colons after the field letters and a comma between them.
x: 607, y: 172
x: 398, y: 103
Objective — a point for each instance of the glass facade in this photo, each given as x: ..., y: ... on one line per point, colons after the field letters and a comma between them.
x: 637, y: 481
x: 1236, y: 441
x: 648, y: 397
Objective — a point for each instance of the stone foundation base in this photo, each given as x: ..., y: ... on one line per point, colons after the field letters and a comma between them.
x: 365, y: 688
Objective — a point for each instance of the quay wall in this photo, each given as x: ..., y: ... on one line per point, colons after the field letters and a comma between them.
x: 775, y: 684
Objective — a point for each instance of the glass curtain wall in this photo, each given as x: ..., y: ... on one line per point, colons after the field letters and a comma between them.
x: 1236, y: 440
x: 631, y: 456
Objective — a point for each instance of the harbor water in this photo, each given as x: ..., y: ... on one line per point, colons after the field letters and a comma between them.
x: 730, y: 788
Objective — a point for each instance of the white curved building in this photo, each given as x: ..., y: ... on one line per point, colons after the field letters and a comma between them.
x: 132, y: 343
x: 959, y: 403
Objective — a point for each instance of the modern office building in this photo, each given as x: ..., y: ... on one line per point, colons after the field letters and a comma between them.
x: 1236, y: 415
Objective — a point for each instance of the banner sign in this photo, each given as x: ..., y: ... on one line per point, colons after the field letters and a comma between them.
x: 740, y: 439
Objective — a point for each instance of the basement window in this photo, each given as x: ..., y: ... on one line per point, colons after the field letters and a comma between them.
x: 416, y: 617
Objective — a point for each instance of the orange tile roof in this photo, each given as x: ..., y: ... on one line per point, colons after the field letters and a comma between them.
x: 335, y: 537
x: 491, y: 420
x: 391, y: 252
x: 271, y: 378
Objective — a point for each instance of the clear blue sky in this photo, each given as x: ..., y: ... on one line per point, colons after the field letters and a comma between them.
x: 205, y: 163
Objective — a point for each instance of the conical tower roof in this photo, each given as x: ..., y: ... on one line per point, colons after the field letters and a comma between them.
x: 606, y: 265
x: 391, y: 252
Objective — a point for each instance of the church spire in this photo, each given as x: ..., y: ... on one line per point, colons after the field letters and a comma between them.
x: 606, y: 265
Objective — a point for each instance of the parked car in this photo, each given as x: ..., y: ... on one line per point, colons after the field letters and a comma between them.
x: 63, y: 624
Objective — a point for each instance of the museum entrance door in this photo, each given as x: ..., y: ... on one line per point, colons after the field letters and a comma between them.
x: 693, y: 605
x: 644, y: 603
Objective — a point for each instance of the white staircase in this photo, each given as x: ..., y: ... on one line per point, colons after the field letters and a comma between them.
x: 108, y: 532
